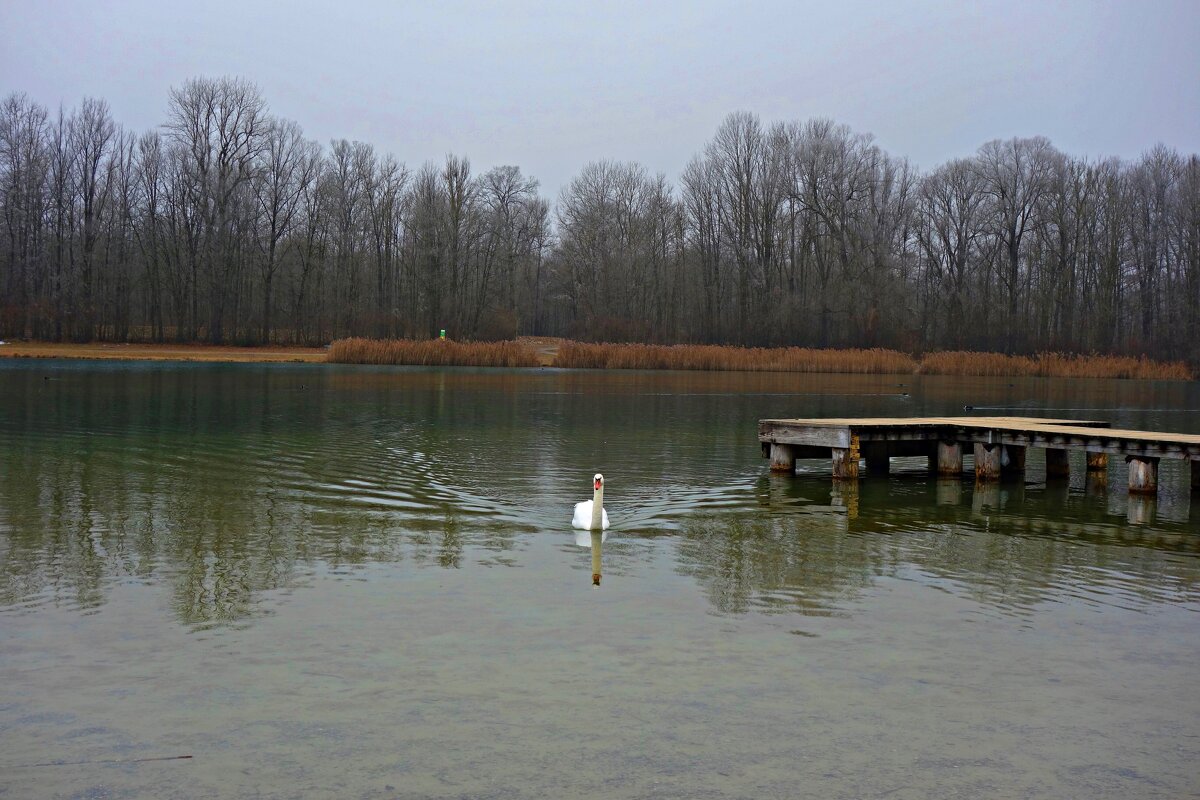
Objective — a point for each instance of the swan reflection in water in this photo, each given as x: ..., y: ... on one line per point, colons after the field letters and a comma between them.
x: 594, y: 540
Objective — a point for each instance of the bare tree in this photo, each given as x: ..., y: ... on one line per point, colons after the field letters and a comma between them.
x: 950, y: 223
x: 1016, y: 173
x: 24, y: 171
x: 91, y: 134
x: 289, y: 166
x: 220, y: 126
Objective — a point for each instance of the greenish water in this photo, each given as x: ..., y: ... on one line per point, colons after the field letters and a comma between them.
x: 357, y: 582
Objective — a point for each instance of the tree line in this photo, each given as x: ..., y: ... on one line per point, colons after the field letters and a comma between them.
x: 227, y: 224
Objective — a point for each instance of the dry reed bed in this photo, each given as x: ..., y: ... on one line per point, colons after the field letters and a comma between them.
x: 1059, y: 365
x: 583, y: 355
x: 432, y: 353
x: 720, y: 358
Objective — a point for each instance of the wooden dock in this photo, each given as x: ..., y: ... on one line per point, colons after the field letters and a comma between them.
x: 999, y: 445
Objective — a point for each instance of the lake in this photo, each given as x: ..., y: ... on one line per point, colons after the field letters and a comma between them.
x: 328, y: 581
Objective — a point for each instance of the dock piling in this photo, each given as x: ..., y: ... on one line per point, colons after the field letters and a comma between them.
x: 783, y: 458
x: 987, y: 462
x: 1143, y: 474
x: 949, y: 458
x: 845, y: 461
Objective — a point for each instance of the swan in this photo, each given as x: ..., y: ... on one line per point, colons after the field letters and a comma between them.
x: 590, y: 514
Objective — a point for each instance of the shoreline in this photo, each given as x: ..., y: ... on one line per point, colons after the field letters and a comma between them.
x: 108, y: 351
x: 545, y: 351
x: 565, y: 353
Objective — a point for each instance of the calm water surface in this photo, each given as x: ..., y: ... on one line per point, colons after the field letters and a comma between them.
x: 357, y: 582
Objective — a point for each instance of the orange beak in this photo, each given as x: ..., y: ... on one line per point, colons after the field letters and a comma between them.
x: 596, y: 486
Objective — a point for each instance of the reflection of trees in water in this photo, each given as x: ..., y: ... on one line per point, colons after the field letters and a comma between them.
x: 53, y: 548
x: 229, y: 482
x: 797, y: 562
x: 219, y: 543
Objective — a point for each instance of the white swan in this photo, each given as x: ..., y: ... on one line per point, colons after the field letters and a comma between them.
x: 590, y: 514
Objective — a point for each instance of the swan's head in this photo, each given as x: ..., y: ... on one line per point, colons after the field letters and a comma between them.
x: 597, y: 481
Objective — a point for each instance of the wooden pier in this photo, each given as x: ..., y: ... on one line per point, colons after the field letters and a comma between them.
x: 999, y: 445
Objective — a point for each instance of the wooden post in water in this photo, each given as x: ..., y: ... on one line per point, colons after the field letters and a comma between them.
x: 1058, y: 463
x: 845, y: 461
x: 1143, y: 474
x: 949, y: 458
x: 1012, y: 460
x: 783, y: 458
x: 1097, y: 462
x: 987, y: 462
x: 1195, y: 464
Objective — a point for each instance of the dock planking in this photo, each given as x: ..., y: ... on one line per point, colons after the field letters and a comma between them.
x: 999, y: 445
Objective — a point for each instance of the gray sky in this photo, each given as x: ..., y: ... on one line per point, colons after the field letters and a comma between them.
x: 552, y: 86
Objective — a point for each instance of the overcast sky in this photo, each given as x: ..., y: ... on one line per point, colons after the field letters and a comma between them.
x: 552, y: 86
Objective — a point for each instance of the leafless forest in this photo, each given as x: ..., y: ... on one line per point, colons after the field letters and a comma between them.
x: 228, y: 225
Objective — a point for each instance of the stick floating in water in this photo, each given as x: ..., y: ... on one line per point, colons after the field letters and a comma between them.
x: 100, y: 761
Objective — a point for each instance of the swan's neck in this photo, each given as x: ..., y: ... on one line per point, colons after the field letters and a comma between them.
x: 598, y: 509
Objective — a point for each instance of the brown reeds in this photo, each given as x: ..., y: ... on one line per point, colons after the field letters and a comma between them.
x: 583, y: 355
x: 719, y: 358
x: 432, y: 353
x: 1058, y: 365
